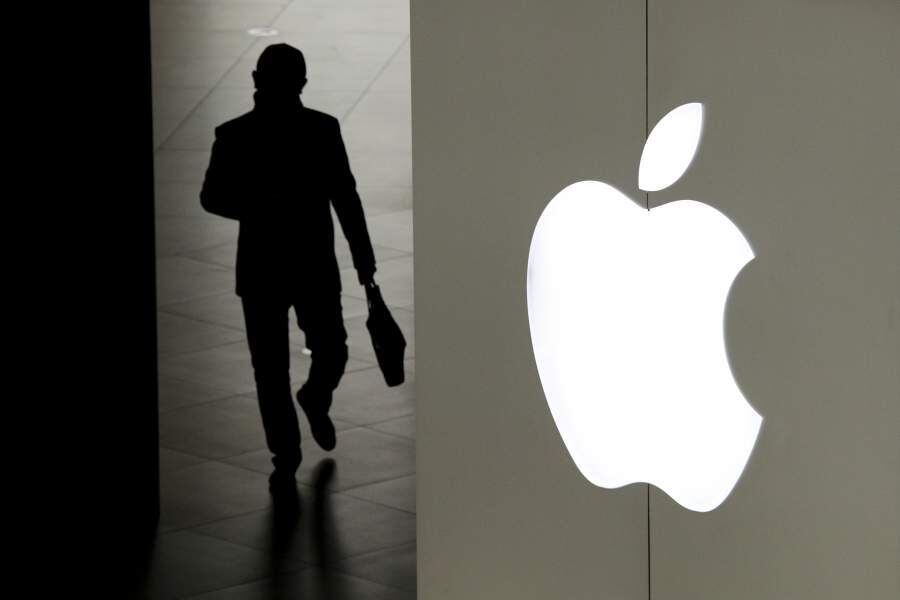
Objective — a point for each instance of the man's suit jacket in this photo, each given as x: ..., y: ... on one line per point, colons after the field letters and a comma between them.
x: 278, y: 173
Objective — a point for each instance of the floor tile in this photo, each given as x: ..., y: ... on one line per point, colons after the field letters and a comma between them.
x: 185, y: 166
x: 329, y: 527
x: 176, y: 393
x: 179, y: 279
x: 396, y: 77
x: 214, y: 430
x: 228, y: 367
x: 223, y: 309
x: 380, y: 123
x: 179, y: 199
x: 393, y: 108
x: 402, y: 426
x: 185, y: 563
x: 395, y: 567
x: 380, y: 200
x: 381, y: 168
x: 397, y: 493
x: 352, y: 16
x: 166, y: 44
x: 393, y: 230
x: 208, y: 17
x: 209, y: 491
x: 173, y: 460
x: 312, y: 584
x: 180, y: 235
x: 170, y: 106
x: 222, y: 428
x: 364, y: 398
x: 201, y: 71
x: 178, y: 334
x: 362, y: 456
x: 224, y: 2
x: 224, y: 254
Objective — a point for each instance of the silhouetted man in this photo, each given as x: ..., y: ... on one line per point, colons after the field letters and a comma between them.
x: 278, y: 169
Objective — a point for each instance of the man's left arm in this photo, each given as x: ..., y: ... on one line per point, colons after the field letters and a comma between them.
x: 348, y: 207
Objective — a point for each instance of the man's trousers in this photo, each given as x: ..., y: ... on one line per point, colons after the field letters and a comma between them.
x: 267, y: 323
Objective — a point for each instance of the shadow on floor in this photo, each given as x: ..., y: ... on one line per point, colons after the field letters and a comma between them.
x: 300, y: 555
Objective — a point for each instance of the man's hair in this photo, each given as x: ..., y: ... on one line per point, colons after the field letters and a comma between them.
x: 280, y: 66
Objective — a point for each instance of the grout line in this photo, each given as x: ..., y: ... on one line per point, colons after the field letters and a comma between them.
x: 204, y: 261
x: 231, y: 396
x: 362, y: 485
x: 191, y: 528
x: 193, y: 298
x: 227, y: 393
x: 381, y: 504
x: 390, y: 419
x: 171, y: 313
x: 393, y: 435
x: 192, y: 455
x: 383, y: 68
x: 181, y: 353
x: 303, y: 566
x: 396, y: 435
x: 368, y: 552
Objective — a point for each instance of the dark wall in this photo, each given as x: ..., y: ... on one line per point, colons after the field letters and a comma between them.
x: 89, y: 286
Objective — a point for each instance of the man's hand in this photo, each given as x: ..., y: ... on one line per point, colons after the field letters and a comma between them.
x: 370, y: 287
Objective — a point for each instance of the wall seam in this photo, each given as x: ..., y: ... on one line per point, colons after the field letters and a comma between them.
x: 647, y: 203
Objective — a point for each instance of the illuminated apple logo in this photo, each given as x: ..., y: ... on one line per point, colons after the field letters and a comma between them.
x: 626, y: 309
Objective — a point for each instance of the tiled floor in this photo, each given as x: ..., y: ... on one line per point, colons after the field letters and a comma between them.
x: 219, y: 536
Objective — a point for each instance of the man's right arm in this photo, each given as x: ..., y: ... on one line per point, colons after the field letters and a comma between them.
x: 218, y: 194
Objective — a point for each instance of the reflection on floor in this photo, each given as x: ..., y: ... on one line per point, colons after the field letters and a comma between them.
x: 219, y: 536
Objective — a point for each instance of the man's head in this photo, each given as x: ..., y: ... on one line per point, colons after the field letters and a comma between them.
x: 281, y: 69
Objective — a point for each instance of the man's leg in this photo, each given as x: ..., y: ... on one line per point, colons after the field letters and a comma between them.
x: 323, y: 324
x: 267, y: 335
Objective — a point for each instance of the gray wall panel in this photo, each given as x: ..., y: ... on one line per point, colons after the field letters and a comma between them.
x: 512, y: 101
x: 801, y: 148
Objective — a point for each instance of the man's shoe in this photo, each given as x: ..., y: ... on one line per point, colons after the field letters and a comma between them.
x: 319, y: 421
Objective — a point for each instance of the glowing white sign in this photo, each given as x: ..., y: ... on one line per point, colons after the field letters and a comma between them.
x: 626, y: 310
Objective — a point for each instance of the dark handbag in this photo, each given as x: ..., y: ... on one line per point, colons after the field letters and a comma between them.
x: 387, y: 339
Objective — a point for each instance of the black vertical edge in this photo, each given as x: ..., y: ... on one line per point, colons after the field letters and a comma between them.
x: 92, y: 445
x: 146, y: 224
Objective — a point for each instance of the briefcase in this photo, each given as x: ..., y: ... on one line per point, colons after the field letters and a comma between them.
x: 387, y: 339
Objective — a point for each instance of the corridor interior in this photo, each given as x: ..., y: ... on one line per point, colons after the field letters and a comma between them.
x: 218, y: 535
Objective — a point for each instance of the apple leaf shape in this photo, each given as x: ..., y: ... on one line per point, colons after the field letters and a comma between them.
x: 626, y: 310
x: 671, y: 147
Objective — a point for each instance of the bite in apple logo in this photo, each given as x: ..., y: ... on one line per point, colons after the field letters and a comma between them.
x: 626, y: 308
